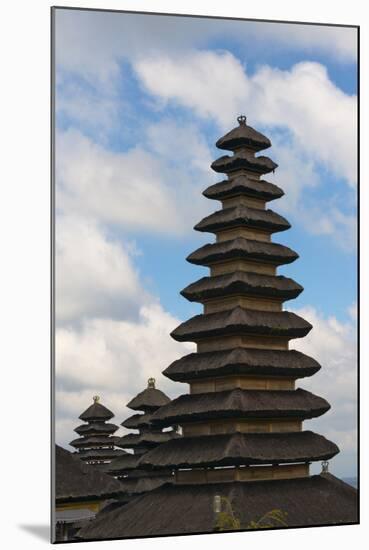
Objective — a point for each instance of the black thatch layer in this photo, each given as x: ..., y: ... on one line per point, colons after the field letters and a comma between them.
x: 137, y: 421
x: 239, y: 449
x: 145, y: 439
x: 245, y: 249
x: 243, y: 216
x: 123, y: 463
x: 194, y: 366
x: 242, y: 282
x: 98, y: 440
x: 96, y: 428
x: 242, y: 321
x: 243, y: 135
x: 244, y: 160
x: 137, y: 486
x: 242, y: 185
x: 96, y: 411
x: 148, y: 399
x: 99, y: 454
x: 183, y: 509
x: 239, y: 403
x: 75, y: 480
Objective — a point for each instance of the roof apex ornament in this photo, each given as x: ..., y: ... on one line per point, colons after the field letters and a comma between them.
x: 325, y: 466
x: 241, y: 120
x: 151, y: 383
x: 96, y: 398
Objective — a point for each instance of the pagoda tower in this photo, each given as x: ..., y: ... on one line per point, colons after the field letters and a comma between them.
x: 136, y: 481
x: 243, y: 411
x: 96, y: 444
x: 242, y: 420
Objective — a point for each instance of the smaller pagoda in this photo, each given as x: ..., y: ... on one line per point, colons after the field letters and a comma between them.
x: 125, y: 468
x: 96, y: 444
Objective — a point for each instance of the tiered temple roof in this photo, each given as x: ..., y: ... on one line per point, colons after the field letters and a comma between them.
x: 76, y: 482
x: 80, y: 493
x: 243, y: 417
x: 136, y: 481
x: 96, y: 444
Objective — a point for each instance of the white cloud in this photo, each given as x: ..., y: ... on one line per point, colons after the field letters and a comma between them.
x: 333, y: 344
x: 93, y: 44
x: 122, y: 188
x: 147, y: 188
x: 94, y: 274
x: 182, y: 146
x: 320, y: 117
x: 329, y: 220
x: 311, y: 122
x: 98, y: 110
x: 113, y: 359
x: 213, y: 84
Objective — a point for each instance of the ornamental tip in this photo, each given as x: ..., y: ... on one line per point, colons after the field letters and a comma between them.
x: 96, y: 398
x: 241, y: 120
x: 151, y: 383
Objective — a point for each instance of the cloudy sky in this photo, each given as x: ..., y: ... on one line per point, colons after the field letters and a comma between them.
x: 140, y: 102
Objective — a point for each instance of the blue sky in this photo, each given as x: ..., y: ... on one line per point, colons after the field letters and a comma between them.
x: 140, y: 102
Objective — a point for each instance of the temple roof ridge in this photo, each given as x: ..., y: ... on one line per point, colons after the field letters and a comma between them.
x: 243, y: 135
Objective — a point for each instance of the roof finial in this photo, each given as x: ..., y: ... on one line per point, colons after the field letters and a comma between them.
x: 325, y: 465
x: 151, y: 383
x: 96, y: 398
x: 241, y: 120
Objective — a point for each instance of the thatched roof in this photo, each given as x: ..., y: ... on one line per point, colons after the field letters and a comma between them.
x: 241, y: 248
x: 99, y: 454
x: 239, y: 403
x: 148, y: 399
x: 185, y: 509
x: 242, y: 282
x: 244, y: 160
x: 96, y: 428
x: 242, y: 321
x: 243, y: 136
x: 137, y: 421
x: 96, y: 411
x: 136, y: 486
x: 75, y: 480
x: 238, y: 449
x: 289, y: 363
x: 93, y: 441
x: 126, y: 462
x: 242, y: 215
x: 243, y: 185
x: 146, y: 439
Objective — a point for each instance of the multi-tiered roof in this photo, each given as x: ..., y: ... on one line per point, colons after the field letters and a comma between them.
x: 242, y: 420
x: 243, y: 409
x: 96, y: 444
x: 136, y: 481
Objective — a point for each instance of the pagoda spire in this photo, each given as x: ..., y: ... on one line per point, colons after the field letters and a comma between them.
x: 243, y: 410
x: 124, y: 468
x: 96, y: 444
